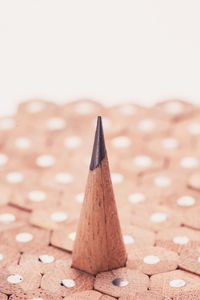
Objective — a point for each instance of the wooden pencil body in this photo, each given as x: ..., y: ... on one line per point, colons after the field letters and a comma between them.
x: 99, y: 245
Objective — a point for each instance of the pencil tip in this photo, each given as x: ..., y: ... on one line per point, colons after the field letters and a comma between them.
x: 99, y: 149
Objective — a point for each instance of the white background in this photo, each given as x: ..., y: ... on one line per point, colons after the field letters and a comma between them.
x: 109, y: 50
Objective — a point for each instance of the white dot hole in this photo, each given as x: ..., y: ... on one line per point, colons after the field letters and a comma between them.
x: 162, y: 181
x: 23, y: 143
x: 14, y: 278
x: 35, y: 107
x: 37, y: 196
x: 68, y: 283
x: 63, y: 178
x: 72, y: 236
x: 121, y: 142
x: 189, y: 162
x: 7, y: 124
x: 177, y: 283
x: 7, y: 218
x: 72, y: 142
x: 151, y: 259
x: 45, y: 161
x: 15, y: 177
x: 46, y: 259
x: 158, y: 217
x: 117, y: 178
x: 79, y: 198
x: 174, y: 108
x: 170, y: 143
x: 24, y: 237
x: 3, y: 159
x: 186, y: 201
x: 147, y: 125
x: 181, y: 240
x: 143, y: 161
x: 194, y: 128
x: 136, y: 198
x: 56, y: 124
x: 84, y: 108
x: 59, y: 216
x: 128, y: 239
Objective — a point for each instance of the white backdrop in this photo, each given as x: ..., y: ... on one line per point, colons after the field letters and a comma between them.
x: 110, y: 50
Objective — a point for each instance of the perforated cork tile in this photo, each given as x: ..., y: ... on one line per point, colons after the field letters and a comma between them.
x: 154, y: 158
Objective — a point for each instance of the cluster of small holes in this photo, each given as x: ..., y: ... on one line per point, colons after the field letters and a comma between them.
x: 68, y: 283
x: 120, y: 143
x: 120, y: 282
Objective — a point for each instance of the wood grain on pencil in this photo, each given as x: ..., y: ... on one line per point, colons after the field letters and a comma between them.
x: 99, y: 245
